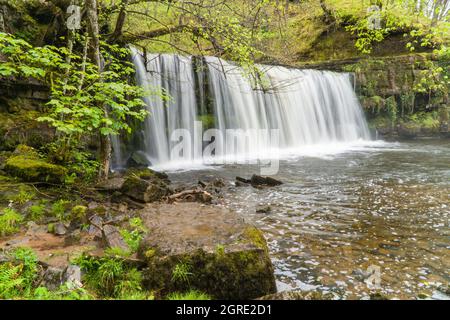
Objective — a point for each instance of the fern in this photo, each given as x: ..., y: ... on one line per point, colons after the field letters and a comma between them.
x: 11, y: 281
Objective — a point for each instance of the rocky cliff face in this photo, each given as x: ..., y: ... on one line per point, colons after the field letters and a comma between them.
x: 403, y: 96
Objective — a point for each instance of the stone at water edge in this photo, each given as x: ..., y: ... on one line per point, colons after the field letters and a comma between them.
x: 263, y: 209
x: 146, y: 185
x: 222, y: 255
x: 257, y: 180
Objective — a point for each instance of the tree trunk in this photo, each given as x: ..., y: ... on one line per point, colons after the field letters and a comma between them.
x: 94, y: 54
x: 93, y: 29
x: 117, y: 34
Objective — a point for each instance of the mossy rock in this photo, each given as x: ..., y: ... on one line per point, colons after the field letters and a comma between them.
x: 22, y: 128
x: 26, y: 165
x: 206, y: 248
x: 146, y: 185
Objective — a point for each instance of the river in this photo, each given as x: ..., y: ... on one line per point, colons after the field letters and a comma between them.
x: 380, y: 205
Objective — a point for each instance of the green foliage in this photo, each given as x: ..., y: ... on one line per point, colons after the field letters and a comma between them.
x: 181, y: 272
x: 78, y: 212
x: 84, y: 100
x: 66, y: 291
x: 37, y: 211
x: 391, y: 106
x: 18, y: 278
x: 9, y: 222
x: 432, y: 77
x: 81, y: 165
x: 134, y: 236
x: 220, y: 250
x: 429, y: 120
x: 24, y: 195
x: 190, y: 295
x: 10, y: 280
x: 59, y: 208
x: 18, y: 275
x: 109, y: 277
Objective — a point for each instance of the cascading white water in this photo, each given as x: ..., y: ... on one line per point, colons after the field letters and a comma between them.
x: 308, y: 107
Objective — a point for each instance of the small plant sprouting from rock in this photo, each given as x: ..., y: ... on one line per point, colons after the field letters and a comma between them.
x: 181, y: 272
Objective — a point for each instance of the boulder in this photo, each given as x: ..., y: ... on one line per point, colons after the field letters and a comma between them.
x: 146, y: 185
x: 72, y: 275
x: 242, y: 180
x: 112, y: 238
x: 52, y: 278
x: 257, y: 181
x: 26, y: 164
x: 111, y: 185
x: 59, y: 229
x: 204, y: 247
x: 263, y: 209
x: 138, y: 160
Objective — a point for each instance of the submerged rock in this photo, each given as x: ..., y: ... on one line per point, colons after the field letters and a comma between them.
x: 208, y: 248
x: 257, y: 181
x: 191, y: 196
x: 263, y: 209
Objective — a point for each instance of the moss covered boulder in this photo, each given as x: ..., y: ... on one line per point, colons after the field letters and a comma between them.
x: 146, y: 185
x: 26, y: 164
x: 207, y: 248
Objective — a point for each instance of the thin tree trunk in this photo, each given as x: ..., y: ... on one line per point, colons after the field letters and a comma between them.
x: 117, y: 34
x: 94, y: 46
x: 93, y: 29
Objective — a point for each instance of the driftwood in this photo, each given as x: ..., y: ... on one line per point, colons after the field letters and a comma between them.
x: 194, y: 195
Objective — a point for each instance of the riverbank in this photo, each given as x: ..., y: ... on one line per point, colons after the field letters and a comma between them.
x: 137, y: 235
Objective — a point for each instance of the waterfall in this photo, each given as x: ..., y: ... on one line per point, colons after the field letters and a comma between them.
x: 308, y: 107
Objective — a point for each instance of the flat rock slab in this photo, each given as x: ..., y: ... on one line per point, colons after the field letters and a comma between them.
x: 204, y: 247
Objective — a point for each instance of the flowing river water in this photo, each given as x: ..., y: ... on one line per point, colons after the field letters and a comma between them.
x: 348, y: 204
x: 383, y: 204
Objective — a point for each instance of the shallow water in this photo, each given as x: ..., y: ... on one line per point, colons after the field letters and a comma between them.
x: 381, y: 204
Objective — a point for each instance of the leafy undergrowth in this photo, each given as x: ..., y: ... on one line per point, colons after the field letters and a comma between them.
x: 19, y: 278
x: 108, y: 277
